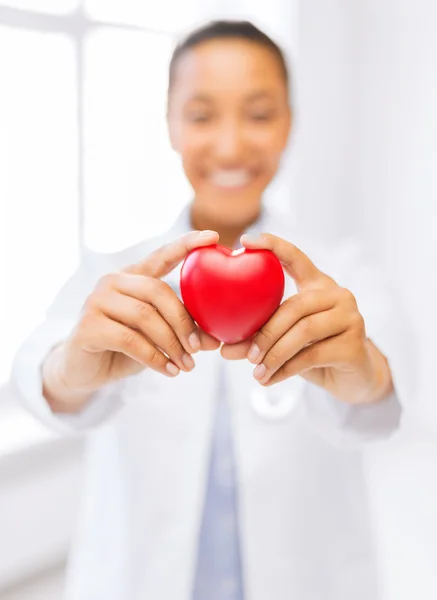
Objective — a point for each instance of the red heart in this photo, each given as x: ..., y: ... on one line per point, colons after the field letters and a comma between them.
x: 231, y: 294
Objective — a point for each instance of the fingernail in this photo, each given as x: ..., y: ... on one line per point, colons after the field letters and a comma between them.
x: 253, y: 238
x: 253, y: 353
x: 188, y: 361
x: 259, y: 372
x: 206, y: 234
x: 172, y: 369
x: 194, y: 341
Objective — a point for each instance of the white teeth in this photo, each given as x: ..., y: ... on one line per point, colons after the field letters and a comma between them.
x: 230, y: 179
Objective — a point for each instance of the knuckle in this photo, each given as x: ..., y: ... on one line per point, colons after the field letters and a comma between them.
x: 273, y: 357
x: 160, y: 288
x: 129, y: 339
x: 328, y: 282
x: 183, y: 317
x: 312, y: 353
x: 154, y: 357
x: 347, y: 297
x: 265, y: 335
x: 173, y: 343
x: 296, y: 302
x: 357, y: 322
x: 164, y: 259
x: 144, y: 311
x: 307, y: 324
x: 97, y: 299
x: 105, y: 285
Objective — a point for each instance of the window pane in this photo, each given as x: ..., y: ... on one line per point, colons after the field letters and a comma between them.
x: 165, y: 15
x: 38, y: 179
x: 133, y: 181
x: 50, y: 6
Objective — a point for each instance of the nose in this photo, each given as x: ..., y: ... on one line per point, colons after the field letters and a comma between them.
x: 229, y: 142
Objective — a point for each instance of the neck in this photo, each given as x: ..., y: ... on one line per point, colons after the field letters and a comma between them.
x: 229, y: 233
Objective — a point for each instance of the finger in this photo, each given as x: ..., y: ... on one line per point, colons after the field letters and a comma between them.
x: 296, y: 263
x: 236, y: 351
x: 207, y: 342
x: 117, y: 337
x: 166, y: 258
x: 288, y: 314
x: 309, y: 330
x: 144, y: 318
x: 160, y: 295
x: 326, y: 353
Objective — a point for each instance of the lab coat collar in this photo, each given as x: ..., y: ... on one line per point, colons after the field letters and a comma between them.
x: 183, y: 225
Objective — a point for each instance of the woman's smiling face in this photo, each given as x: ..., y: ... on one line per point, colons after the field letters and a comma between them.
x: 229, y: 119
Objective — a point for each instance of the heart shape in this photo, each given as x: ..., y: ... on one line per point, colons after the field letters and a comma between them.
x: 231, y: 294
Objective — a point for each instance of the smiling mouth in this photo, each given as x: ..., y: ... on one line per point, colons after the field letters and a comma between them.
x: 231, y: 178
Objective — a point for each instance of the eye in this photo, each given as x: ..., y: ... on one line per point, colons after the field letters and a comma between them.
x: 262, y: 116
x: 199, y: 117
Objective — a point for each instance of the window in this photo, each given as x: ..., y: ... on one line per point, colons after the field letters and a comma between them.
x: 39, y: 237
x: 49, y: 6
x: 126, y: 139
x: 165, y: 15
x: 82, y: 122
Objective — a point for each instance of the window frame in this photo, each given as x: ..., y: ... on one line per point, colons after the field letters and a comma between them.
x: 76, y: 25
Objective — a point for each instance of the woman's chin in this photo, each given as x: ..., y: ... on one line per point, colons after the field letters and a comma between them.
x: 243, y: 195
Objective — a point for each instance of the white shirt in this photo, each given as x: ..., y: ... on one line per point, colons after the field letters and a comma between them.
x: 219, y: 573
x: 302, y: 509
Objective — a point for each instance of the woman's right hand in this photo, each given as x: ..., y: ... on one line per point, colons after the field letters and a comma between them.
x: 132, y: 320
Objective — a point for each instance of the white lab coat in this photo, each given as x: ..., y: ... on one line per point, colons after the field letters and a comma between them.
x: 303, y: 516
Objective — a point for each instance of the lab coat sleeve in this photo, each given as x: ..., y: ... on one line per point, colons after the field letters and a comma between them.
x: 347, y: 424
x: 26, y: 380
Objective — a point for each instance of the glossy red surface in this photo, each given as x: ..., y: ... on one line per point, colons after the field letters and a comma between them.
x: 231, y: 295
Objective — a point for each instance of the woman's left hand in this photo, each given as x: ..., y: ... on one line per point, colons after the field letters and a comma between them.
x: 318, y: 333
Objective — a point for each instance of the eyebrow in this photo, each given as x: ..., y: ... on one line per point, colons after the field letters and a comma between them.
x: 252, y: 98
x: 259, y: 96
x: 200, y: 98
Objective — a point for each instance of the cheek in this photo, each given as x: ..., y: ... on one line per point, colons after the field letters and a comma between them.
x: 192, y: 163
x: 271, y: 154
x: 192, y: 152
x: 271, y: 144
x: 275, y: 140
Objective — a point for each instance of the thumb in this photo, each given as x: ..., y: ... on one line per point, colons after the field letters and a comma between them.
x: 166, y: 258
x: 295, y: 262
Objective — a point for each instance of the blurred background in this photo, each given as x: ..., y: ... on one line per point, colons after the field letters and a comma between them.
x: 85, y: 161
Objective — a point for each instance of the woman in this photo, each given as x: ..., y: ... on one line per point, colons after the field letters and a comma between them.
x: 225, y: 479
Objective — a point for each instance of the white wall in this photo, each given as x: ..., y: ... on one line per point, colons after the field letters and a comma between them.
x: 367, y: 74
